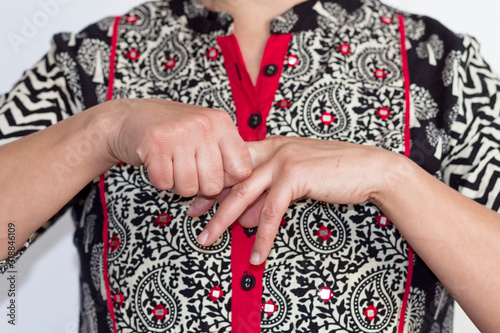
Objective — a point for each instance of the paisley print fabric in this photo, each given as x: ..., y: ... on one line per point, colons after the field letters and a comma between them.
x: 333, y: 268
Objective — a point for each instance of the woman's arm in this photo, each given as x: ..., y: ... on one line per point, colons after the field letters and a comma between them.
x: 41, y: 172
x: 181, y: 145
x: 456, y: 237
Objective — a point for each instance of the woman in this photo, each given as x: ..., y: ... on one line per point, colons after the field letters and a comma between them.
x: 345, y: 78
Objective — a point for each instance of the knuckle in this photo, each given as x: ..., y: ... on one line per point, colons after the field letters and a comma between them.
x: 187, y: 192
x: 180, y: 131
x: 202, y: 124
x: 163, y: 185
x: 287, y: 157
x: 222, y: 116
x: 269, y: 212
x: 240, y: 190
x: 243, y: 171
x: 240, y: 169
x: 156, y: 138
x: 225, y: 123
x: 276, y: 140
x: 185, y: 188
x: 212, y: 189
x: 287, y: 151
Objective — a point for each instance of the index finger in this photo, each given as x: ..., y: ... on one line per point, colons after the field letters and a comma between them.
x: 272, y: 212
x: 241, y: 196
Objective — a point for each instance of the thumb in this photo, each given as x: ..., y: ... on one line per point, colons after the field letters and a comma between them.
x: 200, y: 205
x: 256, y: 149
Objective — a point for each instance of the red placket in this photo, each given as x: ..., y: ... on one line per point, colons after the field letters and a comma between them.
x: 252, y: 103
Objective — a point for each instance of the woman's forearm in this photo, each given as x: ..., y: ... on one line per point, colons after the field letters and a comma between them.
x: 43, y: 171
x: 457, y: 238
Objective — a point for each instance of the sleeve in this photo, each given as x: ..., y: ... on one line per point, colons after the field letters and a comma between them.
x: 472, y: 164
x: 45, y: 95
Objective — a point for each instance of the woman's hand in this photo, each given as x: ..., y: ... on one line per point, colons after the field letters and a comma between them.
x: 448, y: 231
x: 287, y: 169
x: 187, y: 149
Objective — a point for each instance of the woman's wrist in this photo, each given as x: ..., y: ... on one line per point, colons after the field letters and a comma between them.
x: 395, y: 173
x: 102, y: 129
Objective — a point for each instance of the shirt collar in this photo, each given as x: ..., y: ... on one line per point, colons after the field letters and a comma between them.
x: 304, y: 16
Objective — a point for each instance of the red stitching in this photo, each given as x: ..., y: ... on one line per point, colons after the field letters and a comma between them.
x: 406, y: 75
x: 102, y: 178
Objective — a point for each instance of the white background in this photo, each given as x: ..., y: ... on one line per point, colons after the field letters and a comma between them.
x: 48, y: 299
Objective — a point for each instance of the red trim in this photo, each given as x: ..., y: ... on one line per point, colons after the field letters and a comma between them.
x: 112, y: 58
x: 247, y: 98
x: 275, y: 53
x: 246, y: 306
x: 406, y: 75
x: 105, y: 248
x: 102, y: 179
x: 407, y: 291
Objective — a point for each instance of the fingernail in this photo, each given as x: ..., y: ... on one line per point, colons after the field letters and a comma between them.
x: 190, y: 211
x: 194, y: 209
x: 255, y: 258
x: 202, y: 238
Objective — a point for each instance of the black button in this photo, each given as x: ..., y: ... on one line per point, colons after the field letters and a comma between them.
x: 250, y: 231
x: 270, y: 70
x: 248, y: 282
x: 254, y: 120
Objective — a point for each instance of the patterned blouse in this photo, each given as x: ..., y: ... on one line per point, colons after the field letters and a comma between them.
x: 349, y: 70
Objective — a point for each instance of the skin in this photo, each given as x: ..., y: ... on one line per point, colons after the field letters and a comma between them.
x: 60, y: 160
x: 456, y: 237
x: 186, y: 149
x: 252, y: 21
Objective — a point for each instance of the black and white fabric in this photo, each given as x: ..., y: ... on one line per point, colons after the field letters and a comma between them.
x: 340, y: 268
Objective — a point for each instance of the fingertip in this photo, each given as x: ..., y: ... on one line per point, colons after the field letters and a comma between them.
x: 202, y: 238
x: 193, y: 212
x: 200, y: 206
x: 255, y: 258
